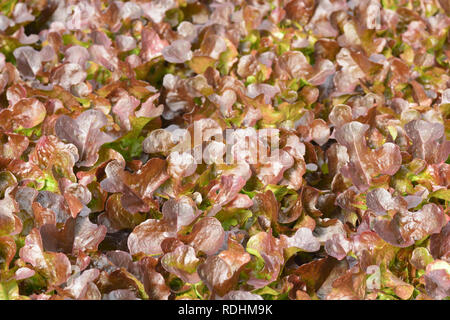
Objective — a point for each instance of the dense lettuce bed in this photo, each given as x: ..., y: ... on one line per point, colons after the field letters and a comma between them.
x: 115, y: 175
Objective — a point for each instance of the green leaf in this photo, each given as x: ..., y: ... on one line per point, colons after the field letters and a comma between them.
x: 279, y: 191
x: 7, y: 47
x: 35, y: 283
x: 7, y: 7
x: 70, y: 38
x: 139, y: 285
x: 255, y: 253
x: 266, y: 290
x: 98, y: 73
x: 35, y: 131
x: 9, y: 290
x: 232, y: 217
x: 85, y: 102
x: 130, y: 145
x: 383, y: 296
x: 443, y: 194
x: 49, y: 183
x: 226, y: 59
x: 393, y: 132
